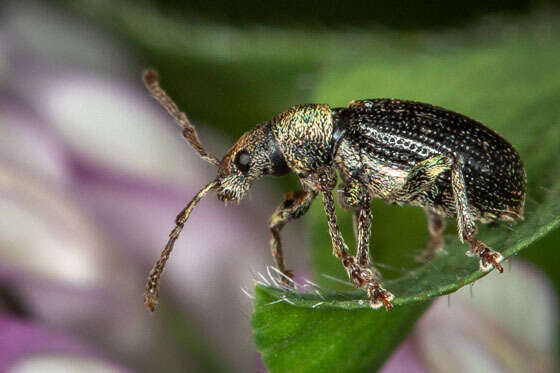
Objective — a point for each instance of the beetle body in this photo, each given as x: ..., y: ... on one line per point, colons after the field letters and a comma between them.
x: 384, y: 139
x: 404, y: 152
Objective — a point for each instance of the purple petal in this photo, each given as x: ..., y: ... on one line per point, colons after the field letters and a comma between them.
x: 113, y: 124
x: 57, y: 260
x: 30, y: 348
x: 405, y: 359
x: 211, y: 262
x: 26, y: 144
x: 92, y: 200
x: 504, y: 326
x: 39, y: 35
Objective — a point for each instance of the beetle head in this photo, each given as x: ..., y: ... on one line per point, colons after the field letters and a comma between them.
x: 254, y: 155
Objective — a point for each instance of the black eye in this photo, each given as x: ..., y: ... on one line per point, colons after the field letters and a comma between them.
x: 243, y: 161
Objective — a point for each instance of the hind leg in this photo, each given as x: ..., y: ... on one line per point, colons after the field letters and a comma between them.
x: 436, y: 225
x: 423, y: 177
x: 357, y: 198
x: 465, y: 223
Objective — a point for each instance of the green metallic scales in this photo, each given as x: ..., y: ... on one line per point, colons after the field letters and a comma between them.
x: 304, y: 133
x: 401, y: 151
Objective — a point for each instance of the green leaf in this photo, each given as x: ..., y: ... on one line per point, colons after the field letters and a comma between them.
x: 293, y: 339
x: 511, y: 84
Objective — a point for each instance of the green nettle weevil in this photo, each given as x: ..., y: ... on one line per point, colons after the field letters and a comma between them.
x: 400, y: 151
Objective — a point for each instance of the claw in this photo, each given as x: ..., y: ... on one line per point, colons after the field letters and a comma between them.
x: 498, y: 266
x: 496, y: 259
x: 380, y: 297
x: 286, y: 279
x: 365, y: 278
x: 489, y: 258
x: 387, y: 303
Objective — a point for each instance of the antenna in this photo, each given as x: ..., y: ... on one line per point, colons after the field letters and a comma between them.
x: 152, y: 286
x: 151, y: 81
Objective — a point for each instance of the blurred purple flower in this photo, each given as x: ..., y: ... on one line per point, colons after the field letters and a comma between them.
x: 507, y: 324
x: 26, y: 347
x: 92, y: 174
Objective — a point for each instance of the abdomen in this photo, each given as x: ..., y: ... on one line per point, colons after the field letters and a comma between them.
x: 399, y: 134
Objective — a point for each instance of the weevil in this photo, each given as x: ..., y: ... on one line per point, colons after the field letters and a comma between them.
x: 403, y: 152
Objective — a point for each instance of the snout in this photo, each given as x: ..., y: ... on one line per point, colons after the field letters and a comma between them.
x: 225, y: 195
x: 232, y: 188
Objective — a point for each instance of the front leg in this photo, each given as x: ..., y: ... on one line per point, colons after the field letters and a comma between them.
x: 465, y: 222
x: 361, y: 275
x: 294, y: 206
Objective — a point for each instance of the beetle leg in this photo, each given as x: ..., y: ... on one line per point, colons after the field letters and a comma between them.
x: 356, y: 197
x: 422, y: 177
x: 361, y: 275
x: 436, y: 225
x: 342, y: 203
x: 294, y: 206
x: 465, y: 222
x: 364, y: 231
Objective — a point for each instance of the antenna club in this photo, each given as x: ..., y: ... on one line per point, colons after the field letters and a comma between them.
x: 150, y: 303
x: 150, y: 77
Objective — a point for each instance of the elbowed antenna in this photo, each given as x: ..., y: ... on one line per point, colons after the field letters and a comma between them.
x: 151, y: 81
x: 152, y: 286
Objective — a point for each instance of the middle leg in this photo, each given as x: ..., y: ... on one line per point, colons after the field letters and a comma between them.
x: 356, y: 197
x: 362, y: 275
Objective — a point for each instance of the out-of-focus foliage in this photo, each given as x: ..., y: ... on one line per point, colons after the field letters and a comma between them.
x: 334, y: 14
